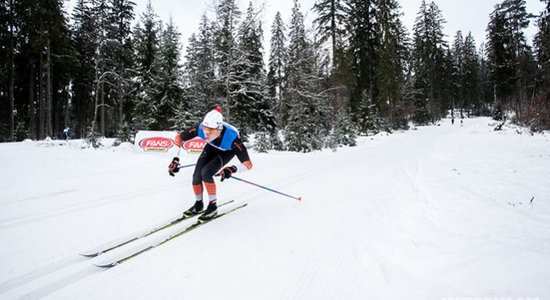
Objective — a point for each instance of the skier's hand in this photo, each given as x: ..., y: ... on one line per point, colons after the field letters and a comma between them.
x: 226, y: 172
x: 174, y: 166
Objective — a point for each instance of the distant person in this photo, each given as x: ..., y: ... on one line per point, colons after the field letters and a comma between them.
x: 66, y: 134
x: 461, y: 123
x: 452, y: 121
x: 222, y: 144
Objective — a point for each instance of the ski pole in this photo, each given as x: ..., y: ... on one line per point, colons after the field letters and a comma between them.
x: 185, y: 166
x: 266, y: 188
x: 171, y: 173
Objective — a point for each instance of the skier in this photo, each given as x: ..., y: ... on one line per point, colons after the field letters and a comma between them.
x: 66, y: 134
x: 223, y: 143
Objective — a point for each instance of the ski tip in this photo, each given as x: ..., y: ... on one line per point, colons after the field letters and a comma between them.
x: 89, y: 254
x: 105, y: 266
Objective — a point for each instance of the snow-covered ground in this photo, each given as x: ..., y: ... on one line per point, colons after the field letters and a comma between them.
x: 439, y: 212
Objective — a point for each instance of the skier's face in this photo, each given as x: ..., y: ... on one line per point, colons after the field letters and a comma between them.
x: 211, y: 133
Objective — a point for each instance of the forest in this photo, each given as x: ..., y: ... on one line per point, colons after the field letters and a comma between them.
x: 102, y: 71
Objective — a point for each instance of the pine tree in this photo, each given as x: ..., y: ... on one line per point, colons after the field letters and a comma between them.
x: 542, y: 45
x: 500, y: 58
x: 306, y: 120
x: 200, y: 77
x: 343, y: 133
x: 363, y: 42
x: 168, y: 89
x: 102, y: 68
x: 7, y: 65
x: 278, y: 58
x: 250, y: 103
x: 226, y: 52
x: 471, y: 78
x: 457, y: 75
x: 428, y: 57
x: 146, y: 42
x: 486, y: 85
x: 84, y: 41
x: 120, y: 16
x: 390, y: 62
x: 42, y: 60
x: 538, y: 112
x: 506, y: 46
x: 331, y: 25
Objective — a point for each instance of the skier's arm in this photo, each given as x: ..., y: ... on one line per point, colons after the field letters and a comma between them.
x: 242, y: 155
x: 179, y: 139
x: 185, y: 135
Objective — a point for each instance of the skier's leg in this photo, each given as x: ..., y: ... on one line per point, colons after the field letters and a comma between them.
x: 206, y: 155
x: 207, y: 175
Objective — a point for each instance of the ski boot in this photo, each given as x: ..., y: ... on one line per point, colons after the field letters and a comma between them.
x: 196, y: 209
x: 210, y: 213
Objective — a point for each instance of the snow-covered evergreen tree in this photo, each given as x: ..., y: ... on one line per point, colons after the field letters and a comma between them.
x: 226, y: 53
x: 120, y: 16
x: 278, y: 58
x: 84, y: 42
x: 262, y: 142
x: 457, y: 74
x: 363, y: 31
x: 429, y: 52
x: 250, y: 102
x: 344, y: 131
x: 147, y: 39
x: 390, y: 62
x: 200, y: 76
x: 305, y: 124
x: 506, y: 45
x: 169, y: 86
x: 331, y: 25
x: 542, y: 46
x: 472, y: 85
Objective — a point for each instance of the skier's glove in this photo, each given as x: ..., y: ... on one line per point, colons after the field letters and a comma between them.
x: 174, y: 166
x: 226, y: 172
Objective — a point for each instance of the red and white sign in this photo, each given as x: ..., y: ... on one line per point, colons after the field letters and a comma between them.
x: 156, y: 144
x: 194, y: 145
x: 160, y: 142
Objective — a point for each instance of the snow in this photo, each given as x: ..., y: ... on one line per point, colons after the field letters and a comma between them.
x: 442, y: 211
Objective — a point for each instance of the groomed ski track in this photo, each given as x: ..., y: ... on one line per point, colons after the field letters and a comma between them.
x: 435, y: 212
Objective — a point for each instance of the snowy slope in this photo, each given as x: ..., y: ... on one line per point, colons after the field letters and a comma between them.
x: 442, y: 211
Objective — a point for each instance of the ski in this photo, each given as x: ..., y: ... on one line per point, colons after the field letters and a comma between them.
x: 112, y: 246
x: 188, y: 229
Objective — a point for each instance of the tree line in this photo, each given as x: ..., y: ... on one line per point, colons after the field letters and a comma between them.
x: 103, y: 73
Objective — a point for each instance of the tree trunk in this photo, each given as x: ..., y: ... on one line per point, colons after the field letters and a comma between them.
x: 121, y: 105
x: 32, y: 105
x: 12, y: 76
x: 49, y: 108
x: 333, y: 33
x: 102, y: 111
x: 67, y: 108
x: 41, y: 108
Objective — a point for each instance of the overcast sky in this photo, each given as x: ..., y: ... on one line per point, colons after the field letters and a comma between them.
x: 465, y: 15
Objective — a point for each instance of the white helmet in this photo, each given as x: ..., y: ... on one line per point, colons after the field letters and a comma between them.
x: 213, y: 119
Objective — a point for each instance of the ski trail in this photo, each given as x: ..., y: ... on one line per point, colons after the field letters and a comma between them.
x: 48, y: 279
x: 326, y: 261
x: 37, y: 273
x: 42, y: 196
x: 6, y: 224
x: 59, y: 283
